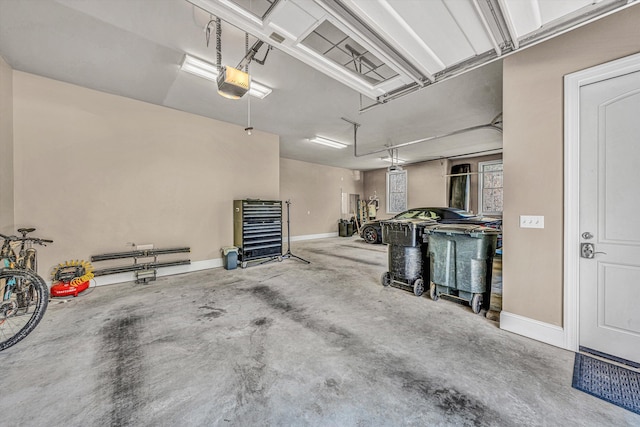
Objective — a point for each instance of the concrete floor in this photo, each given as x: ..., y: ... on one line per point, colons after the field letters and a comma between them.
x: 286, y: 344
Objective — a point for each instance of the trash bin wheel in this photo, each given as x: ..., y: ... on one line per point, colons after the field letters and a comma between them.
x: 386, y: 279
x: 418, y: 287
x: 433, y: 292
x: 476, y: 303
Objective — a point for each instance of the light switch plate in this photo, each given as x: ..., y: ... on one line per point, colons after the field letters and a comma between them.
x: 531, y: 221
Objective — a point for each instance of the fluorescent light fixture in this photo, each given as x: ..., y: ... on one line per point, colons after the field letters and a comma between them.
x: 208, y: 71
x: 328, y: 142
x: 388, y: 159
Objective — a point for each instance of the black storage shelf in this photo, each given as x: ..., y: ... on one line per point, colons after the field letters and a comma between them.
x: 257, y: 229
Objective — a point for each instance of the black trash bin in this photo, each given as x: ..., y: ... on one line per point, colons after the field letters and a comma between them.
x: 461, y: 261
x: 406, y: 252
x: 350, y: 229
x: 342, y: 228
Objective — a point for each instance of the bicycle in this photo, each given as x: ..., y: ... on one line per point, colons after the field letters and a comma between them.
x: 25, y: 295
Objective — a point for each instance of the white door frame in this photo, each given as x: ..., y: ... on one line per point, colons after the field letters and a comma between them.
x: 572, y: 84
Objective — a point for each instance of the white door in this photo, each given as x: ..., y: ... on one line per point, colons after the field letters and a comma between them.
x: 610, y: 216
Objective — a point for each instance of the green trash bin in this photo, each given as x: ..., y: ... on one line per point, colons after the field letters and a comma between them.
x: 461, y: 260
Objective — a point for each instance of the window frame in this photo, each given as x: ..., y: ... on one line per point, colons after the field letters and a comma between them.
x: 403, y: 193
x: 481, y: 173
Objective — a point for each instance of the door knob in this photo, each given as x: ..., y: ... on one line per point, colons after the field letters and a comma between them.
x: 587, y: 250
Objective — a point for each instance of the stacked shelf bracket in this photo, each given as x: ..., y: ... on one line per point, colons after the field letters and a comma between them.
x: 145, y: 271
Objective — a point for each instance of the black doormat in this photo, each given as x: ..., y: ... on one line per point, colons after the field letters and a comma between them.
x: 606, y: 381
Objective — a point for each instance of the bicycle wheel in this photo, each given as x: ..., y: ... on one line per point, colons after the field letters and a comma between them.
x: 25, y: 299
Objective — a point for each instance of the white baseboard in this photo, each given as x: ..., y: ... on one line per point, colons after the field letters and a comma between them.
x: 312, y: 236
x: 162, y: 271
x: 534, y: 329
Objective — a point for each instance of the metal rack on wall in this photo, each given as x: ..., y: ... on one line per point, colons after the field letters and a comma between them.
x: 257, y: 230
x: 145, y: 271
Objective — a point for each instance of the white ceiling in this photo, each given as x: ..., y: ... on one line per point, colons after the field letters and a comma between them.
x: 134, y: 48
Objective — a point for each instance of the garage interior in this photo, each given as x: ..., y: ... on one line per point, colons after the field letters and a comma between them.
x: 107, y: 143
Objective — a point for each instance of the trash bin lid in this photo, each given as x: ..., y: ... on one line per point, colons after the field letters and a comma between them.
x: 472, y: 230
x: 410, y: 223
x: 228, y: 249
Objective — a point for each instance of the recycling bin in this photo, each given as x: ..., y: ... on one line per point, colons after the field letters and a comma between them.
x: 461, y: 261
x: 406, y: 253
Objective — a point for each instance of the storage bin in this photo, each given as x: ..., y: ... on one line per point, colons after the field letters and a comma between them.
x: 230, y: 257
x: 406, y: 253
x: 461, y: 260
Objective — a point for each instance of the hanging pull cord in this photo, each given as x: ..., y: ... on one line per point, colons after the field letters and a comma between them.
x: 249, y: 128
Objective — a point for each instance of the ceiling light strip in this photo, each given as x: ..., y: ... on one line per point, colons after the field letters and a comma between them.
x: 209, y: 71
x: 328, y: 142
x: 393, y: 160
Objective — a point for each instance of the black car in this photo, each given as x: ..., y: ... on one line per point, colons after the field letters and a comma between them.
x: 371, y: 231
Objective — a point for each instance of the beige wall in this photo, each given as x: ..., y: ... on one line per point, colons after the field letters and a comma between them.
x: 315, y: 192
x: 6, y: 148
x: 428, y: 183
x: 533, y: 157
x: 426, y: 186
x: 94, y: 171
x: 473, y: 185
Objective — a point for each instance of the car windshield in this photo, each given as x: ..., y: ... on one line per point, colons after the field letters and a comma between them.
x: 462, y: 213
x: 417, y: 214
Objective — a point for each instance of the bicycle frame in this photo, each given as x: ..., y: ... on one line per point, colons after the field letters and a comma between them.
x: 9, y: 287
x: 7, y: 254
x: 20, y: 255
x: 8, y: 259
x: 25, y: 295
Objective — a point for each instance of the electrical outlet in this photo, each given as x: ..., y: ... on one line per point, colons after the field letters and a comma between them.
x: 531, y: 221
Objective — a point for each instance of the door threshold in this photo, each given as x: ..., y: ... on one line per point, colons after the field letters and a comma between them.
x: 614, y: 360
